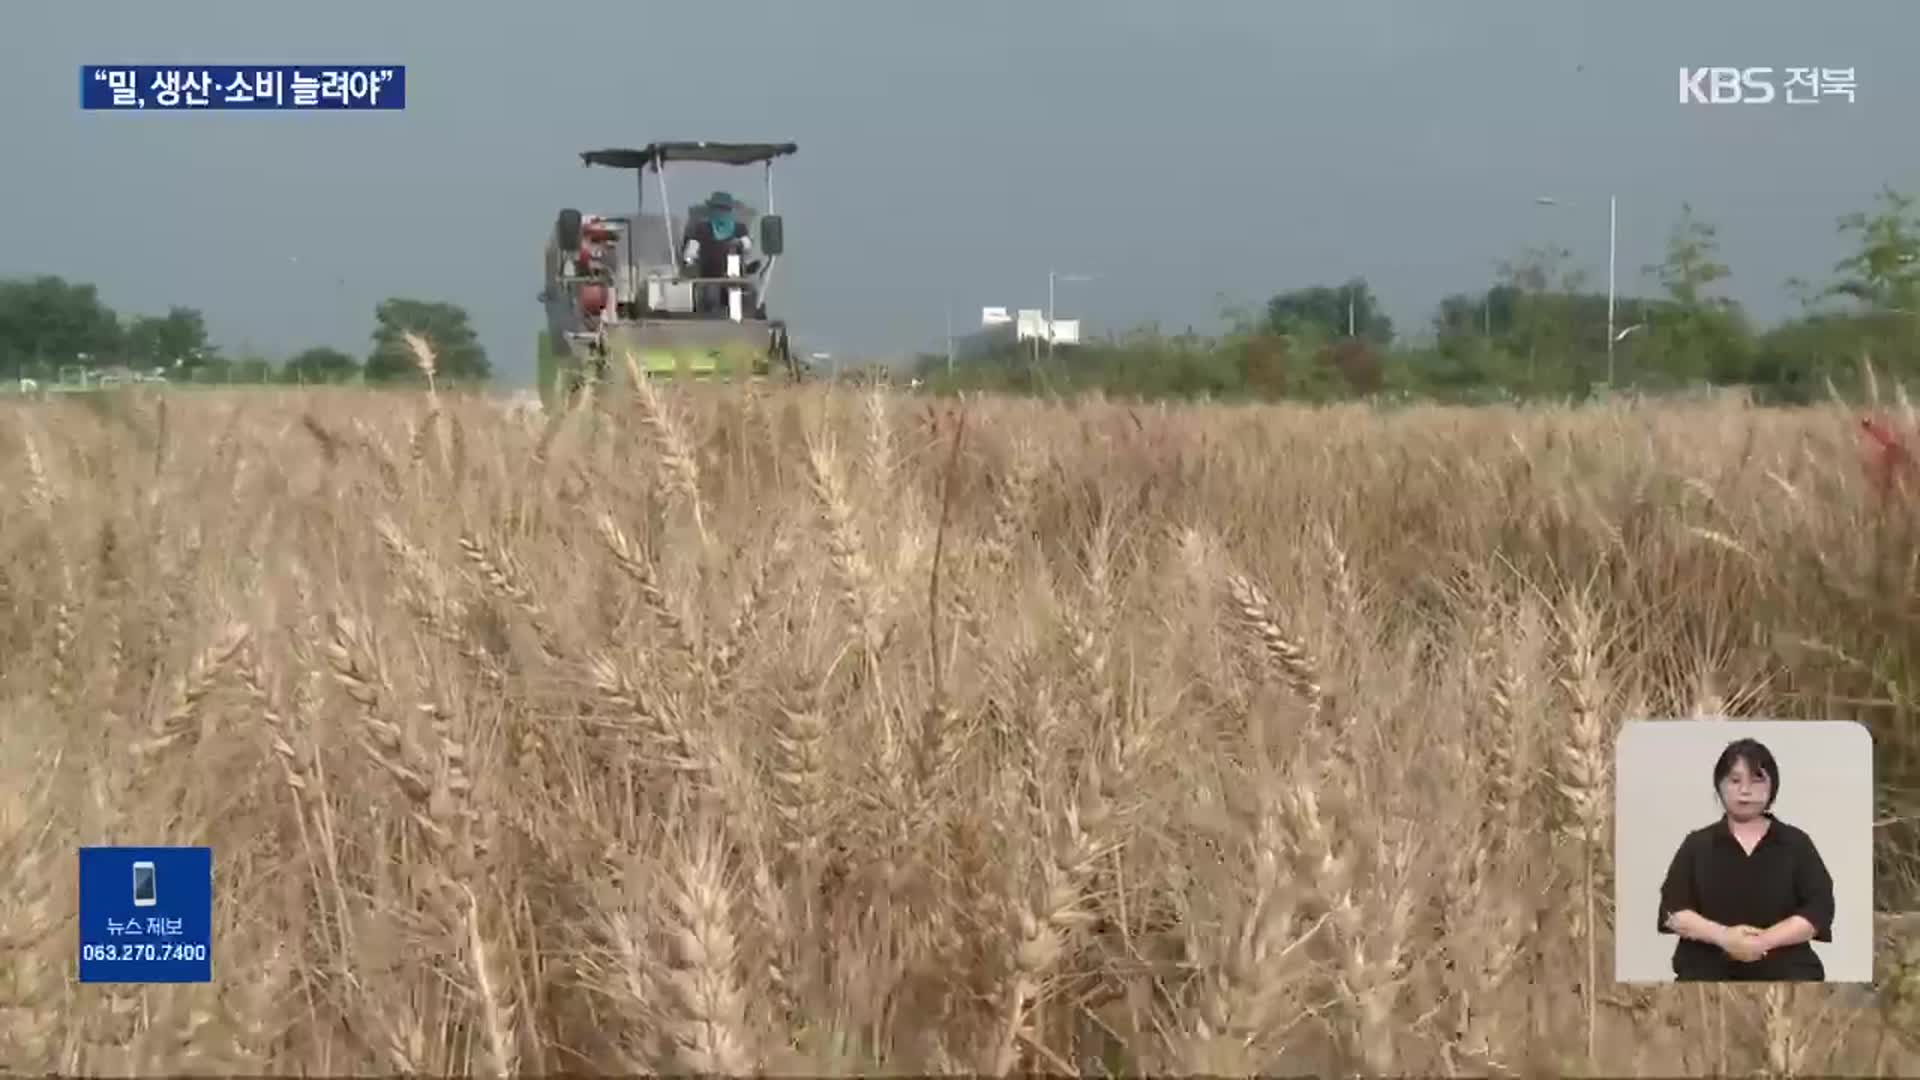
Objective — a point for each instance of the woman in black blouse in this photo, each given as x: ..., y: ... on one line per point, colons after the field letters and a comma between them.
x: 1747, y: 893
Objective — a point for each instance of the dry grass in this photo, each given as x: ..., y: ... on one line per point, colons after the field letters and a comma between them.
x: 714, y: 732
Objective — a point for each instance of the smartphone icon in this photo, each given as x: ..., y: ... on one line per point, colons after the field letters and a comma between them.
x: 145, y: 894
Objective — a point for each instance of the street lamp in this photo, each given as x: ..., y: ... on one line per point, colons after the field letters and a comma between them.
x: 1052, y: 276
x: 1613, y: 230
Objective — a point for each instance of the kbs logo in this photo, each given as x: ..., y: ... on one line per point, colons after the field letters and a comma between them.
x: 1726, y: 86
x: 1757, y: 85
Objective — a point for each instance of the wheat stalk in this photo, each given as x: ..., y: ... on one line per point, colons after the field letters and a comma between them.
x: 1584, y: 784
x: 489, y: 991
x: 678, y: 469
x: 1291, y: 660
x: 859, y: 587
x: 182, y: 714
x: 708, y: 1033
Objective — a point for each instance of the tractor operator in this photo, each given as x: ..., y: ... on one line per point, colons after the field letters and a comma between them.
x: 709, y: 242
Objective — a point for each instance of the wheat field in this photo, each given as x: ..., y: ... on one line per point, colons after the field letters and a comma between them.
x: 824, y: 732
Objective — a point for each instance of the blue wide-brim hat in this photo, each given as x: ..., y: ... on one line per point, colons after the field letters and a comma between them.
x: 720, y: 200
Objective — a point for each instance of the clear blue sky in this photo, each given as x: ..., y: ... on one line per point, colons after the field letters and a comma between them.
x: 949, y: 152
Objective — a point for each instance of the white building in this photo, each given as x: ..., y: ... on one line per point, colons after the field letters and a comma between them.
x: 1002, y: 328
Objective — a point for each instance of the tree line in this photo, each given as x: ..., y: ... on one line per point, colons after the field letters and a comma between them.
x: 1539, y: 329
x: 51, y: 327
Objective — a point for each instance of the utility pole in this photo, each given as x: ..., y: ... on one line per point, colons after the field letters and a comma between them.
x: 1613, y: 223
x: 949, y: 338
x: 1052, y: 275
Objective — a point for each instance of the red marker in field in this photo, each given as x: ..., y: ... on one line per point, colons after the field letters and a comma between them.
x: 1888, y: 458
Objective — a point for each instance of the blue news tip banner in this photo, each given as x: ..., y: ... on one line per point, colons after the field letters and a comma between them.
x: 146, y: 914
x: 205, y: 87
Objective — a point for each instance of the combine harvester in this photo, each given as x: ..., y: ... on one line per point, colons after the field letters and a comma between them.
x: 620, y: 284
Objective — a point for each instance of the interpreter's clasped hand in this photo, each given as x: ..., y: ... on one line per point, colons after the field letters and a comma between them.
x: 1743, y: 943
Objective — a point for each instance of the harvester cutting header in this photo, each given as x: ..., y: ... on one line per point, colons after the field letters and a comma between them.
x: 686, y: 297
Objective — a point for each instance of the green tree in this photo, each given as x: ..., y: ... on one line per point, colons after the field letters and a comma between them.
x: 1262, y: 362
x: 47, y: 321
x: 321, y: 365
x: 1490, y: 314
x: 215, y: 370
x: 1692, y: 264
x: 1694, y: 335
x: 458, y: 355
x: 1884, y: 271
x: 1327, y: 312
x: 1882, y: 278
x: 250, y: 369
x: 1544, y: 324
x: 1476, y: 338
x: 176, y: 340
x: 1793, y: 362
x: 1356, y: 364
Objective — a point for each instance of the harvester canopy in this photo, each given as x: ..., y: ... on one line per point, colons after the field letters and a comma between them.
x: 655, y: 155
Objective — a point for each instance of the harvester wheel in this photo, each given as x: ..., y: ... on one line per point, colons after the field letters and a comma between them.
x: 779, y: 355
x: 573, y: 388
x: 566, y: 231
